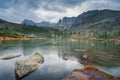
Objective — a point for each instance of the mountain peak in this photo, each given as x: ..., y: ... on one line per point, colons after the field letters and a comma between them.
x: 66, y: 21
x: 43, y: 23
x: 28, y: 22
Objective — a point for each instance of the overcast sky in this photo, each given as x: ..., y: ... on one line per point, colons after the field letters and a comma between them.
x: 50, y: 10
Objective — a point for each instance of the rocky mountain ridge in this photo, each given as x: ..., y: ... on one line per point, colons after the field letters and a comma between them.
x: 93, y: 20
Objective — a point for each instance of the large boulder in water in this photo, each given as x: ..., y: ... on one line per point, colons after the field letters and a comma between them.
x: 25, y: 67
x: 89, y: 73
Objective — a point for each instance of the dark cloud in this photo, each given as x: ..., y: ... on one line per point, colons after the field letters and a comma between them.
x: 46, y: 4
x: 54, y: 4
x: 6, y: 3
x: 14, y: 3
x: 71, y: 3
x: 51, y: 10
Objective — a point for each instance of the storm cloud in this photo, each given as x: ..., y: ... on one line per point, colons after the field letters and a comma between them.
x: 50, y: 10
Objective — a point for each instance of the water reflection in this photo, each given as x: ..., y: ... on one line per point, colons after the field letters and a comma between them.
x: 102, y: 53
x: 7, y: 69
x: 61, y: 57
x: 54, y: 68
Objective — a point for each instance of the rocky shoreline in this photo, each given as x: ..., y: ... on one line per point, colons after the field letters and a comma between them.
x: 2, y: 38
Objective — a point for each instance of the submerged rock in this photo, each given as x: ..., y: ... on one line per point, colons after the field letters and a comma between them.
x: 10, y: 56
x: 25, y: 67
x: 78, y: 50
x: 65, y: 58
x: 89, y: 73
x: 85, y: 59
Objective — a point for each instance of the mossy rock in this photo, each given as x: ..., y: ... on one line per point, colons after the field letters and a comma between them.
x: 25, y: 67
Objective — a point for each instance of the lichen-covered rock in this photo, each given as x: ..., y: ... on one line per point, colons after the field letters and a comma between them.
x: 25, y: 67
x: 89, y: 73
x: 10, y: 56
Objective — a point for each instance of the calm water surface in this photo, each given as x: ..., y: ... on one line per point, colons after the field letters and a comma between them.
x: 104, y: 54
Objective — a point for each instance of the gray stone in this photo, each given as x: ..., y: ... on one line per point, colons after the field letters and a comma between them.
x: 10, y: 56
x: 25, y: 67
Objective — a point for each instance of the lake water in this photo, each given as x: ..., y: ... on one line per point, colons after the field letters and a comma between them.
x: 104, y: 54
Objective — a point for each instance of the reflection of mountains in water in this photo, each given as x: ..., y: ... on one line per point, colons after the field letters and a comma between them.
x: 64, y: 56
x: 102, y: 53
